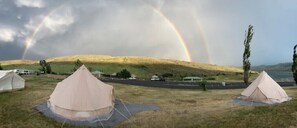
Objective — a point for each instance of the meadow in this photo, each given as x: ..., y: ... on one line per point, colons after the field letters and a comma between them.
x: 179, y: 108
x: 142, y: 67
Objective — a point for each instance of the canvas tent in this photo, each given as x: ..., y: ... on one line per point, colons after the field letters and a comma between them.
x: 82, y: 96
x: 265, y: 89
x: 10, y: 81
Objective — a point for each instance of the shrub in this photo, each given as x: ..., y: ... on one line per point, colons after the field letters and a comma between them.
x: 106, y: 75
x: 203, y: 84
x: 167, y: 75
x: 48, y: 68
x: 45, y: 67
x: 124, y: 74
x: 77, y: 64
x: 211, y: 78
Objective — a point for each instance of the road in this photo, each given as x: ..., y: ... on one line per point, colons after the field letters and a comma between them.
x: 186, y: 85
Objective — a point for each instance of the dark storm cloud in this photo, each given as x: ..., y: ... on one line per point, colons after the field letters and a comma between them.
x: 10, y: 52
x: 134, y: 27
x: 116, y: 29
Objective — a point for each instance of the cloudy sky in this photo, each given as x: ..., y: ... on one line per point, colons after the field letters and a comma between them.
x: 212, y: 30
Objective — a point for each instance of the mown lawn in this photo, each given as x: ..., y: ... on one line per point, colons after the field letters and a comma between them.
x: 179, y: 108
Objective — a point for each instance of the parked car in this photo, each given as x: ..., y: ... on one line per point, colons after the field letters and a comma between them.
x: 132, y: 78
x: 155, y: 78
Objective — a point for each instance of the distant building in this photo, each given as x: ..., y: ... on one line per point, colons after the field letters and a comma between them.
x: 113, y: 74
x: 192, y: 78
x: 97, y: 73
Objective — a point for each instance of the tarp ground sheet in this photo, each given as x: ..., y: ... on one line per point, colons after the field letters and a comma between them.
x: 240, y: 101
x: 243, y: 102
x: 121, y: 112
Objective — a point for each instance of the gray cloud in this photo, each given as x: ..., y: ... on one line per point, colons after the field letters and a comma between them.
x: 133, y: 27
x: 30, y: 3
x: 7, y: 35
x: 115, y: 30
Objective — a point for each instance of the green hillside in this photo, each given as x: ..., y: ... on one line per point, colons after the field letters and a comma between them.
x: 143, y: 67
x: 15, y: 62
x: 277, y: 67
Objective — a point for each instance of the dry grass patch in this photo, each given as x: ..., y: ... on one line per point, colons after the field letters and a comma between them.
x: 179, y: 108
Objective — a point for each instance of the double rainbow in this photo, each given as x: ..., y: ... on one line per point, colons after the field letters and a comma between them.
x: 29, y: 40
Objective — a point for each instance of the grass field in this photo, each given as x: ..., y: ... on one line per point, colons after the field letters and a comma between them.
x: 179, y: 108
x: 142, y: 67
x: 141, y: 71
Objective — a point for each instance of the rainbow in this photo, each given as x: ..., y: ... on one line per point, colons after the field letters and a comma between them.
x: 28, y: 41
x: 198, y: 26
x: 180, y: 38
x: 173, y: 27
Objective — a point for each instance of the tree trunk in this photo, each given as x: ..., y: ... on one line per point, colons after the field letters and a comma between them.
x: 246, y: 77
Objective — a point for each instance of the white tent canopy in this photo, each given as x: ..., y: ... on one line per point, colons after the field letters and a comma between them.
x: 265, y: 89
x: 82, y: 96
x: 10, y: 81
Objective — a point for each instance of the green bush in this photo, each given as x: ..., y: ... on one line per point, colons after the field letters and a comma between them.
x: 124, y: 74
x: 77, y: 64
x: 48, y: 68
x: 45, y: 67
x: 203, y: 84
x: 167, y: 75
x: 211, y: 78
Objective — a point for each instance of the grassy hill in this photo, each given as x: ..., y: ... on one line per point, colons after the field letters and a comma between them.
x: 277, y: 67
x: 143, y: 67
x: 15, y: 62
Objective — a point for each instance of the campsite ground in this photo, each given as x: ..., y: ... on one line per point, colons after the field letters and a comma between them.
x: 179, y: 108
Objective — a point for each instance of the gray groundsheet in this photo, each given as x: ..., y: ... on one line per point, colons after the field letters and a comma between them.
x: 121, y: 112
x: 243, y: 102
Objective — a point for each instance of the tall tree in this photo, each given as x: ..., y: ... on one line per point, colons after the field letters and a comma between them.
x: 246, y: 54
x: 77, y: 64
x: 124, y: 74
x: 294, y: 65
x: 48, y: 68
x: 42, y: 63
x: 45, y: 67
